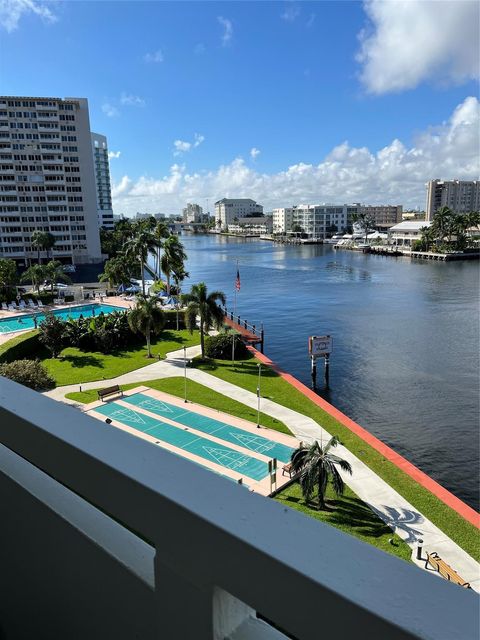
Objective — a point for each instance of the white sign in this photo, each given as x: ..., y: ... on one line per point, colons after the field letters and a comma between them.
x: 320, y: 346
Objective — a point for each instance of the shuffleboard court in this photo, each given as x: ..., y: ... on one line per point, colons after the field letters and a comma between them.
x: 186, y: 440
x: 212, y: 427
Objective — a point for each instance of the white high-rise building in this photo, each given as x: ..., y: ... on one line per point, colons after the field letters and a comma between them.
x: 282, y: 219
x: 228, y: 210
x: 461, y: 196
x: 192, y: 213
x: 102, y: 180
x: 47, y: 178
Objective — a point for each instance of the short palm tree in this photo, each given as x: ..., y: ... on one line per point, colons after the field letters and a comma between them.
x: 173, y: 258
x: 53, y: 271
x: 316, y: 465
x: 147, y: 318
x: 203, y: 304
x: 115, y: 271
x: 139, y: 247
x: 34, y: 274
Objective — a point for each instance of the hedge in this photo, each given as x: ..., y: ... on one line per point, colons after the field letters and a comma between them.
x: 20, y: 347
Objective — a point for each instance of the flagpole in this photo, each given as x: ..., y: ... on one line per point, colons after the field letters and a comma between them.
x: 234, y: 315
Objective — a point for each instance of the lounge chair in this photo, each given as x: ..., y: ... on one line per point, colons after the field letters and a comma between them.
x: 15, y: 306
x: 31, y: 304
x: 4, y: 306
x: 22, y: 304
x: 40, y: 304
x: 11, y: 307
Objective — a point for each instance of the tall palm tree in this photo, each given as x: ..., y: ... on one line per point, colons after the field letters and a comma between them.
x: 49, y: 243
x: 54, y: 272
x: 316, y: 465
x: 179, y: 276
x: 147, y: 318
x: 203, y: 304
x: 34, y: 274
x: 173, y: 258
x: 139, y: 247
x: 39, y: 240
x: 428, y: 237
x: 160, y: 232
x: 442, y: 223
x: 365, y: 221
x: 115, y: 272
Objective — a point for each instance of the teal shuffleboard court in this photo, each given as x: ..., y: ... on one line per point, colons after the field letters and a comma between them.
x: 184, y: 439
x: 212, y: 427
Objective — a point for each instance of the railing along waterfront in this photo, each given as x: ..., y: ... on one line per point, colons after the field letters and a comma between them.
x: 246, y: 328
x: 105, y: 535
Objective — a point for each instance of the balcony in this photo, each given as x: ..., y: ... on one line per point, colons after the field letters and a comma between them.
x: 106, y: 536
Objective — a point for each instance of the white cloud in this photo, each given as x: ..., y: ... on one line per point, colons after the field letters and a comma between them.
x: 291, y: 13
x: 155, y: 56
x: 114, y: 154
x: 394, y: 174
x: 227, y: 30
x: 409, y: 41
x: 254, y: 152
x: 11, y: 11
x: 110, y: 110
x: 182, y: 146
x: 130, y: 100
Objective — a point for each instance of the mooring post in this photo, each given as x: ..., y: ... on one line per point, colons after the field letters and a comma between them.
x: 314, y: 372
x: 262, y: 336
x: 327, y: 370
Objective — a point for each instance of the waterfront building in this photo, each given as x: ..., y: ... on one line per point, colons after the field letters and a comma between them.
x: 102, y: 181
x: 319, y: 221
x: 404, y: 233
x: 282, y: 220
x: 47, y: 178
x: 461, y: 196
x: 227, y: 209
x: 413, y: 215
x: 252, y: 226
x: 385, y: 215
x: 192, y: 213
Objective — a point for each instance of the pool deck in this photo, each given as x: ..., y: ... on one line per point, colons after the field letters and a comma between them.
x: 263, y: 487
x: 115, y: 301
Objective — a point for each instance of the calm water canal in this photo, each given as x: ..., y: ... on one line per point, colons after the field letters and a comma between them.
x: 406, y: 339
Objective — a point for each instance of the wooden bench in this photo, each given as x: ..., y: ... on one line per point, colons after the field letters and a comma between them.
x: 445, y: 570
x: 287, y: 468
x: 109, y: 391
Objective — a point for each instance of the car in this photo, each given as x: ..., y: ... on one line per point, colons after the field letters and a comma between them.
x: 69, y: 268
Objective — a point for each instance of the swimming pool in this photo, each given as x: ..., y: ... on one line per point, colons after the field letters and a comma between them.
x: 22, y: 322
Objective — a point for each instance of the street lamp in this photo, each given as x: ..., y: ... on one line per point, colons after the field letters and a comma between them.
x: 258, y: 394
x: 185, y: 372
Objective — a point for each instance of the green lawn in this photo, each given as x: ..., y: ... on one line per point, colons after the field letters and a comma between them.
x: 351, y: 515
x: 245, y: 374
x: 196, y: 393
x: 75, y: 366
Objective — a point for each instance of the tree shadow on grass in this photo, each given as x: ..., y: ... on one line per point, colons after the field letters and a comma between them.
x: 169, y: 336
x: 79, y: 362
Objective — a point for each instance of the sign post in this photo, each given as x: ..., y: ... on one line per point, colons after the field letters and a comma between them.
x: 320, y: 347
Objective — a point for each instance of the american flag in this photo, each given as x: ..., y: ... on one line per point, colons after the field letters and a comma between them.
x: 237, y: 281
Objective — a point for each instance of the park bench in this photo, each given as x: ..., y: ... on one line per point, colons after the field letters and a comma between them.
x: 109, y: 391
x: 445, y: 570
x: 287, y: 468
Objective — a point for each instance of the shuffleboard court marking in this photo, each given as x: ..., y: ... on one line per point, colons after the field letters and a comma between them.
x: 128, y: 414
x: 156, y: 405
x: 254, y: 443
x: 226, y: 458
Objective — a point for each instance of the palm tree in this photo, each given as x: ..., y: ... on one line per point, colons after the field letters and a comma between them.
x: 8, y: 275
x: 53, y: 271
x: 147, y: 318
x: 160, y: 232
x: 173, y: 258
x: 316, y: 465
x: 442, y: 223
x: 139, y: 247
x: 365, y: 221
x: 49, y: 243
x: 34, y: 274
x: 39, y: 240
x: 428, y: 237
x: 179, y: 276
x: 115, y: 272
x: 203, y: 304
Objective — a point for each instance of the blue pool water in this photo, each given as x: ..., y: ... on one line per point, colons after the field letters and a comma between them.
x: 212, y: 427
x: 24, y: 321
x: 186, y: 440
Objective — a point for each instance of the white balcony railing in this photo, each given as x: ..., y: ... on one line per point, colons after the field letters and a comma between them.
x: 104, y: 535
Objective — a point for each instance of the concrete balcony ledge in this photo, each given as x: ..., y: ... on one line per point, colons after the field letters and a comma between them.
x: 105, y: 535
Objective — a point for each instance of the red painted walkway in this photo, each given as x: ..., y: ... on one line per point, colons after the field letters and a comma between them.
x: 407, y: 467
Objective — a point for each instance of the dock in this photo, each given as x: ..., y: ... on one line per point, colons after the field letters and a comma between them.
x: 249, y: 332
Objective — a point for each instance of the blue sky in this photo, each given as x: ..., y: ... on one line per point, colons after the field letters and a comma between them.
x: 234, y: 95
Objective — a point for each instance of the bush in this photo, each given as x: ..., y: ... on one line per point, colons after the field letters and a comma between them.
x: 220, y: 346
x: 30, y: 373
x: 20, y: 347
x: 52, y: 331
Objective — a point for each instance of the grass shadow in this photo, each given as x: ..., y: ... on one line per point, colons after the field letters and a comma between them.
x: 79, y: 362
x: 354, y: 513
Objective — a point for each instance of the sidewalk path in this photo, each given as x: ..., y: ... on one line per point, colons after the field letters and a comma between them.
x: 390, y: 506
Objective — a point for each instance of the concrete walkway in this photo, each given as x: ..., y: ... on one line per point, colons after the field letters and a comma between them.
x: 391, y: 507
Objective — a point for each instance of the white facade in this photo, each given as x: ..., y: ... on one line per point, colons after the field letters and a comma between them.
x: 318, y: 222
x: 192, y: 213
x: 461, y: 196
x: 405, y: 233
x: 227, y: 209
x: 258, y: 225
x: 102, y: 180
x: 282, y: 219
x: 47, y: 178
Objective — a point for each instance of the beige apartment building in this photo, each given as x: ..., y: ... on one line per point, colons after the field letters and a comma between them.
x: 192, y: 213
x: 385, y: 215
x: 229, y: 210
x: 47, y: 178
x: 461, y: 196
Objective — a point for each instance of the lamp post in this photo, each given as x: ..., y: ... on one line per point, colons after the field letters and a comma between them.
x: 185, y: 372
x: 258, y: 394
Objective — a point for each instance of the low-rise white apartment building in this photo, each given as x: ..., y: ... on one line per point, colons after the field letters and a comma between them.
x: 405, y: 233
x: 461, y: 196
x: 253, y: 225
x: 192, y: 213
x: 228, y: 210
x: 102, y: 180
x: 282, y: 220
x: 47, y: 178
